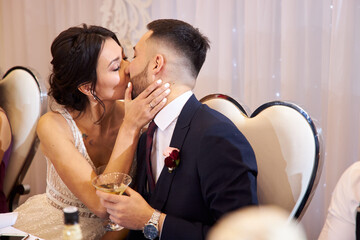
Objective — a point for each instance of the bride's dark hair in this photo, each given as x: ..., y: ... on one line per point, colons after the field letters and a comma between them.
x: 75, y: 53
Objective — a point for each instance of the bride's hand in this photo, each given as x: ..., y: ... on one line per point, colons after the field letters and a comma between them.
x: 142, y: 109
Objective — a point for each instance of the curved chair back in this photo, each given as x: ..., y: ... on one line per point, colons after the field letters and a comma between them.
x: 287, y: 150
x: 24, y: 101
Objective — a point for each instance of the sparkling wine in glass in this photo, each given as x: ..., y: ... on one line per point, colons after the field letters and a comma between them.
x: 114, y: 183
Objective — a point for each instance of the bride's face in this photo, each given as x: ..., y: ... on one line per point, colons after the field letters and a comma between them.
x: 111, y: 78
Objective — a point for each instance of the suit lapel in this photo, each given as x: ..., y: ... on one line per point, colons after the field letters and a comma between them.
x: 162, y: 188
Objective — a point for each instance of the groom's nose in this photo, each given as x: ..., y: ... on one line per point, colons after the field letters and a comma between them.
x: 127, y: 70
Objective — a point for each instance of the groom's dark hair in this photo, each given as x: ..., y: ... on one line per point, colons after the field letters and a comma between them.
x: 183, y: 38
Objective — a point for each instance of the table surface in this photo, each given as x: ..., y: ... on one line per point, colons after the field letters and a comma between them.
x: 14, y: 230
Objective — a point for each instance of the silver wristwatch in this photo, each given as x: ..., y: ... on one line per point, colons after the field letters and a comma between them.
x: 151, y: 229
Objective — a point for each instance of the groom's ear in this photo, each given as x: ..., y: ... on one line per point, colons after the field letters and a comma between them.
x: 158, y: 64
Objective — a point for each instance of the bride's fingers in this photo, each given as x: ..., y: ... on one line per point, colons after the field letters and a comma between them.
x: 158, y: 107
x: 149, y: 89
x: 157, y: 97
x: 128, y: 92
x: 157, y: 93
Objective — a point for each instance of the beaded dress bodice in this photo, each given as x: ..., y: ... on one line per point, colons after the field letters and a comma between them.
x: 57, y: 192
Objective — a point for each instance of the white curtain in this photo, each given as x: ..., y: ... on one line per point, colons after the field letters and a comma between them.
x: 302, y: 51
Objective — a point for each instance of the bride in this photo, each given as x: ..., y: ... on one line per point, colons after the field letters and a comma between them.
x: 88, y: 129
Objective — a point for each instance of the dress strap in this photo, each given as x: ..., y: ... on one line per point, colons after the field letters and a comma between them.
x: 78, y: 139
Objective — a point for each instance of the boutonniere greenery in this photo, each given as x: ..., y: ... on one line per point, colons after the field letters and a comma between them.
x: 172, y: 159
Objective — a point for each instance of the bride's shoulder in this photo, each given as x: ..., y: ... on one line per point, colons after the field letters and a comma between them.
x: 50, y: 116
x: 51, y: 121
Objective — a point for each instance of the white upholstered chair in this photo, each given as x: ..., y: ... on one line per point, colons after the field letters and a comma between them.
x: 287, y: 149
x: 24, y: 101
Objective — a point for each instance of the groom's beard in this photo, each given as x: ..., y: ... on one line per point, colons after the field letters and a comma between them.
x: 140, y: 82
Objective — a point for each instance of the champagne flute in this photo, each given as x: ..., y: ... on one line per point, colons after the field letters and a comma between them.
x: 114, y: 183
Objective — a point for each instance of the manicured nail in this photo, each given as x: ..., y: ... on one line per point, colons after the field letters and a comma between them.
x: 159, y: 81
x: 164, y: 100
x: 167, y: 91
x: 167, y: 85
x: 129, y: 84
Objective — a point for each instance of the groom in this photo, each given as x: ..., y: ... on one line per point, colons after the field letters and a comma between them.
x: 213, y: 170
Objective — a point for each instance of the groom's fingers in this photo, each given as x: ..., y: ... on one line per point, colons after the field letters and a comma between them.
x: 129, y: 191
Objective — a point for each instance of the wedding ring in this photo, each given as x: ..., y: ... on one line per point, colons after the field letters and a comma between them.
x: 151, y: 105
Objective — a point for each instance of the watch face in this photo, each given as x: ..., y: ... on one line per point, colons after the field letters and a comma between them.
x: 150, y: 231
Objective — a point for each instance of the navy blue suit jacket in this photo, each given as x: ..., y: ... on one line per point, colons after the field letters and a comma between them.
x: 217, y: 174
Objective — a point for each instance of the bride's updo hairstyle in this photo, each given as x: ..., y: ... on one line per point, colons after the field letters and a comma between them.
x: 75, y: 53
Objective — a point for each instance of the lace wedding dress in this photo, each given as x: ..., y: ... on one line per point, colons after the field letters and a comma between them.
x: 42, y: 216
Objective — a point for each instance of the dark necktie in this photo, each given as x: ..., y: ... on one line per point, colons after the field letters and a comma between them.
x: 149, y: 142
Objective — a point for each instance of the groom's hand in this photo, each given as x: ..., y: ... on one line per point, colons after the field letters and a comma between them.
x: 130, y: 211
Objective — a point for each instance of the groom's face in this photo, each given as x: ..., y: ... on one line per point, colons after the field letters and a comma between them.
x: 139, y: 66
x: 140, y: 81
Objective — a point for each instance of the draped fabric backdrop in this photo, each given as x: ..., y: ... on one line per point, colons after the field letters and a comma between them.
x: 302, y: 51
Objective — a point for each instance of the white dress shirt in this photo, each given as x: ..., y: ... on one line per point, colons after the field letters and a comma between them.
x: 165, y: 120
x: 341, y: 217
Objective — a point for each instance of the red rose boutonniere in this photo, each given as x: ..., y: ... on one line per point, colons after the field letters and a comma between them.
x: 172, y: 159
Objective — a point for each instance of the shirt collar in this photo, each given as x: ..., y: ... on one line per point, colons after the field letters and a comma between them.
x: 171, y: 111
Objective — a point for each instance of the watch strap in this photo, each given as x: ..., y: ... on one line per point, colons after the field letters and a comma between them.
x: 151, y: 229
x: 155, y: 218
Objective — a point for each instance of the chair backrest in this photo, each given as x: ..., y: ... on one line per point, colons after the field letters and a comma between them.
x: 287, y: 150
x: 24, y: 101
